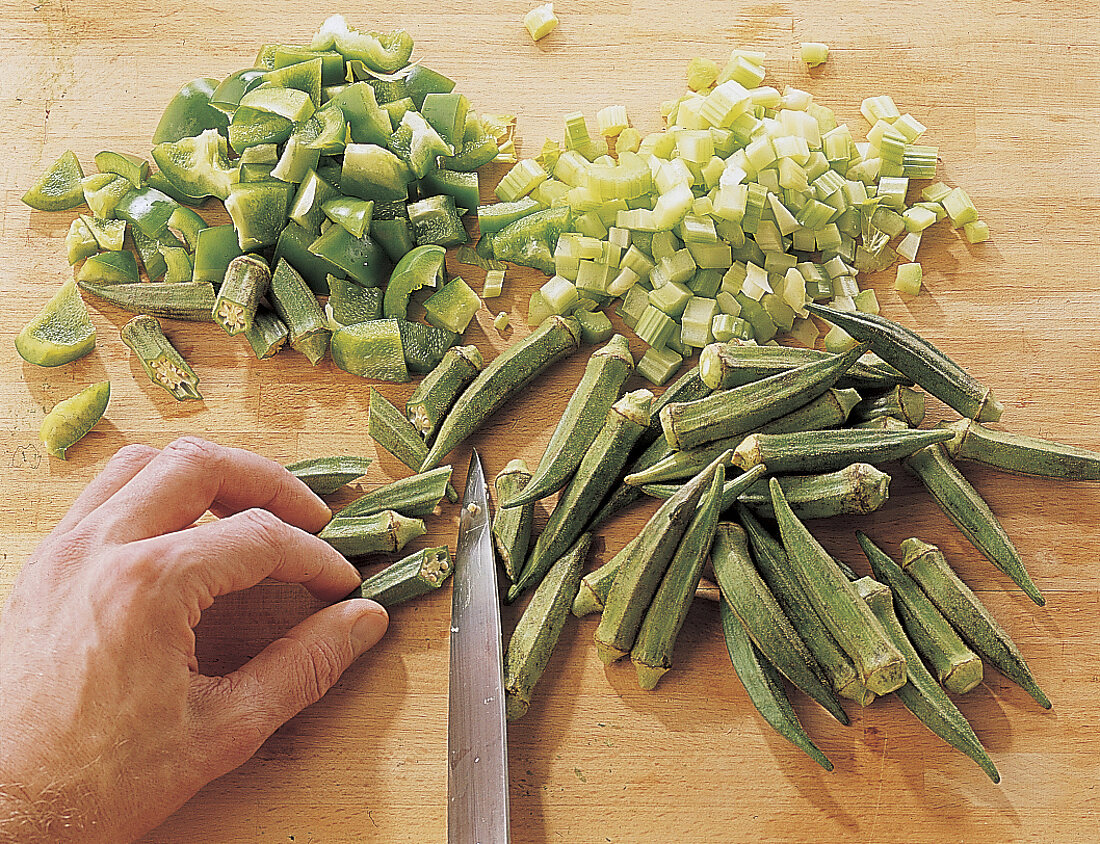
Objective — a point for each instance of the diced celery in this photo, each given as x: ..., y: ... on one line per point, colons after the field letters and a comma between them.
x: 576, y: 131
x: 835, y: 268
x: 892, y: 191
x: 778, y: 310
x: 909, y: 279
x: 696, y: 321
x: 658, y: 365
x: 909, y: 245
x: 594, y: 278
x: 628, y: 140
x: 591, y: 225
x: 845, y: 285
x: 698, y: 229
x: 701, y: 73
x: 612, y: 120
x: 917, y: 218
x: 500, y: 322
x: 910, y: 127
x: 728, y: 303
x: 663, y: 244
x: 635, y: 259
x: 634, y: 304
x: 523, y: 178
x: 537, y: 310
x: 559, y: 294
x: 624, y: 281
x: 743, y: 71
x: 888, y: 222
x: 867, y: 302
x: 619, y: 237
x: 838, y: 340
x: 879, y: 108
x: 935, y: 193
x: 814, y: 53
x: 654, y: 326
x: 763, y: 329
x: 959, y: 208
x: 494, y: 284
x: 540, y: 21
x: 671, y: 299
x: 977, y: 231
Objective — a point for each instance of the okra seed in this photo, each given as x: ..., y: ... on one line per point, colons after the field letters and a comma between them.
x: 232, y: 315
x: 168, y: 373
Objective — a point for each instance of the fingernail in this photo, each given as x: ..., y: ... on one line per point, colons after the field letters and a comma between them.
x: 369, y: 627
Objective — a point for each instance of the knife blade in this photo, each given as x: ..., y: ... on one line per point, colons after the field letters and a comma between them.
x: 477, y: 741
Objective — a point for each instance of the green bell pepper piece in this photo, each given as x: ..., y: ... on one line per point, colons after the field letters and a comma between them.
x: 132, y: 168
x: 366, y: 120
x: 394, y: 235
x: 198, y: 166
x: 59, y: 188
x: 215, y: 247
x: 149, y: 251
x: 258, y: 210
x: 371, y: 172
x: 307, y: 208
x: 80, y: 242
x: 158, y: 181
x: 478, y: 147
x: 462, y: 186
x: 423, y: 345
x: 360, y: 258
x: 531, y: 240
x: 385, y: 90
x: 293, y: 246
x: 227, y: 96
x: 251, y: 126
x: 453, y: 306
x: 422, y: 81
x: 177, y: 262
x: 353, y: 215
x: 102, y: 191
x: 351, y: 302
x: 189, y: 112
x: 187, y: 223
x: 109, y: 234
x: 418, y: 144
x: 147, y: 209
x: 381, y: 51
x: 296, y: 161
x: 423, y: 266
x: 435, y: 220
x: 447, y: 115
x: 303, y: 76
x: 397, y: 109
x: 332, y: 63
x: 256, y: 172
x: 288, y: 103
x: 110, y: 268
x: 325, y: 131
x: 493, y: 218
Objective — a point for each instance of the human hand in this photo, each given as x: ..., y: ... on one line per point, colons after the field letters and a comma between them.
x: 106, y: 725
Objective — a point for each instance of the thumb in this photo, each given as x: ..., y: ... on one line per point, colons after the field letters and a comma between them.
x: 290, y: 674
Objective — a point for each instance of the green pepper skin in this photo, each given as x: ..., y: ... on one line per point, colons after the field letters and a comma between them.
x: 189, y: 112
x: 419, y: 267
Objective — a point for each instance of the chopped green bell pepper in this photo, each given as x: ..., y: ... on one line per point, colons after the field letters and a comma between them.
x: 102, y: 191
x: 325, y: 131
x: 296, y: 161
x: 307, y: 208
x: 531, y: 240
x: 353, y: 215
x: 80, y: 242
x: 189, y: 112
x: 372, y: 172
x: 187, y: 223
x: 303, y: 76
x: 447, y: 115
x: 394, y: 235
x: 259, y: 211
x: 227, y: 96
x: 422, y: 81
x: 149, y: 252
x: 289, y: 103
x: 367, y: 121
x: 198, y: 166
x: 59, y: 188
x: 435, y: 220
x: 360, y: 258
x: 453, y: 306
x: 215, y: 247
x: 461, y: 185
x: 293, y: 247
x: 110, y: 268
x: 251, y: 126
x: 423, y: 266
x: 418, y: 144
x: 332, y: 63
x: 147, y: 209
x: 478, y: 147
x: 423, y: 345
x: 132, y: 168
x: 380, y: 51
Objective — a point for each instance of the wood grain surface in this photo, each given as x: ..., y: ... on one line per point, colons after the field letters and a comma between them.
x: 1008, y: 90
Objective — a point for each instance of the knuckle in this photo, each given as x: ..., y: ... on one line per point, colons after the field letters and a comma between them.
x: 133, y: 454
x: 264, y: 528
x: 194, y: 449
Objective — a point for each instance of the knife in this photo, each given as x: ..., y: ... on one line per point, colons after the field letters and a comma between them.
x: 477, y: 742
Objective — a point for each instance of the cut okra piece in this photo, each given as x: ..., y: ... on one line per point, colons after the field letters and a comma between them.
x: 267, y: 335
x: 358, y: 535
x: 158, y: 357
x: 397, y: 435
x: 417, y: 495
x: 414, y: 576
x: 325, y: 475
x: 246, y: 281
x: 371, y: 350
x: 437, y: 391
x: 298, y: 308
x: 453, y: 306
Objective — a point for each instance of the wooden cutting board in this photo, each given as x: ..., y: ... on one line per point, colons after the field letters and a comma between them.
x: 1008, y: 91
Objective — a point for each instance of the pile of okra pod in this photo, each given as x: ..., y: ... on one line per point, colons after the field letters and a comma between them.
x: 758, y: 435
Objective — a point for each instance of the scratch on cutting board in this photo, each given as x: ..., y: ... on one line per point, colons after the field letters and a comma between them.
x: 878, y: 795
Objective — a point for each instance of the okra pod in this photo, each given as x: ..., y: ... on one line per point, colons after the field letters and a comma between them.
x: 914, y: 356
x: 880, y: 423
x: 247, y: 279
x: 763, y: 619
x: 652, y: 445
x: 957, y: 667
x: 962, y: 504
x: 267, y: 334
x: 968, y: 615
x: 586, y: 411
x: 599, y: 468
x: 187, y: 300
x: 723, y: 366
x: 417, y: 574
x: 509, y: 373
x: 765, y: 688
x: 879, y: 664
x: 900, y: 402
x: 512, y: 527
x: 158, y: 357
x: 731, y: 412
x: 856, y: 489
x: 730, y: 492
x: 596, y: 585
x: 652, y: 651
x: 921, y: 693
x: 826, y: 451
x: 385, y: 531
x: 640, y: 573
x: 299, y: 309
x: 828, y: 410
x: 775, y: 569
x: 437, y: 391
x: 537, y: 631
x: 325, y: 475
x: 1020, y: 454
x: 396, y: 434
x: 417, y: 495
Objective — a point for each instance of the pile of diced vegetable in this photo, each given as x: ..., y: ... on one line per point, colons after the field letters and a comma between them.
x: 749, y: 204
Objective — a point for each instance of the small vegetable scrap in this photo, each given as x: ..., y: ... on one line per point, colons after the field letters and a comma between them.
x: 540, y: 21
x: 72, y: 418
x: 814, y: 53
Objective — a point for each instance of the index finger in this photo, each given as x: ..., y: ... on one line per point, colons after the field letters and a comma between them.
x: 190, y: 475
